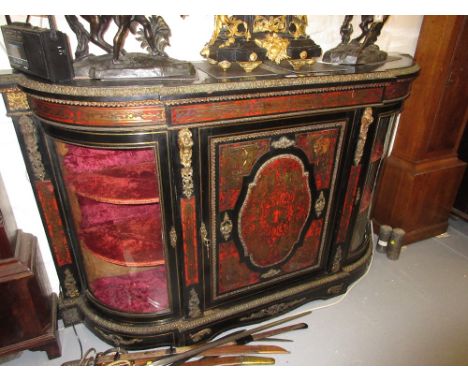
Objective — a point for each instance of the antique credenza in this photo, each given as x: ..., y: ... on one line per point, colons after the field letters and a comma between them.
x: 179, y: 209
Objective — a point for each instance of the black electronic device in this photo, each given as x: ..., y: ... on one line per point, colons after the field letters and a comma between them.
x: 42, y: 52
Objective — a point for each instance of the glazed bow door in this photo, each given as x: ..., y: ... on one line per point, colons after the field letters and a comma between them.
x: 120, y: 212
x: 269, y: 201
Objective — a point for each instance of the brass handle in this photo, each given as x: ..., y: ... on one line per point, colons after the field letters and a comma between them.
x: 226, y: 226
x: 173, y: 237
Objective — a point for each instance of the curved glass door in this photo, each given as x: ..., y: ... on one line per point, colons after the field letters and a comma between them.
x: 114, y: 198
x: 378, y: 152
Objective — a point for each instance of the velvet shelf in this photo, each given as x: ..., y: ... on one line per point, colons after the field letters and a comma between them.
x: 128, y: 287
x: 77, y: 159
x: 133, y: 241
x: 142, y: 291
x: 132, y: 184
x: 114, y: 196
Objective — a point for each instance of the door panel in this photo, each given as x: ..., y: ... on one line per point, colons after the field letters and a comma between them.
x: 269, y: 202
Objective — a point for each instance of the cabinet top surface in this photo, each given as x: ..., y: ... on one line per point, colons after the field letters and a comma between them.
x: 210, y: 80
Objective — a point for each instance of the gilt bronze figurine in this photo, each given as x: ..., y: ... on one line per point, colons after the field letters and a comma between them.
x: 361, y: 50
x: 153, y: 35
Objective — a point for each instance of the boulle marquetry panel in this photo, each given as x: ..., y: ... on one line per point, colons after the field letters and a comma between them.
x: 177, y: 210
x: 270, y: 197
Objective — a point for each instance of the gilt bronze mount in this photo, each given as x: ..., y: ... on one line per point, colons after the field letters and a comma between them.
x: 249, y: 40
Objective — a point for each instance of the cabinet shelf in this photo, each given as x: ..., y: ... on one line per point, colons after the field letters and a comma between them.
x: 132, y: 184
x: 142, y: 291
x: 133, y: 241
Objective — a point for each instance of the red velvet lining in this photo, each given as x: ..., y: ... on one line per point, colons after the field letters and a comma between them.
x: 132, y: 184
x: 118, y: 195
x: 94, y: 213
x: 84, y: 159
x: 135, y: 241
x: 139, y: 292
x: 120, y: 222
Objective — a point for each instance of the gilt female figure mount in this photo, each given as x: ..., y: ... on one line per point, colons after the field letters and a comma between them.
x: 117, y: 63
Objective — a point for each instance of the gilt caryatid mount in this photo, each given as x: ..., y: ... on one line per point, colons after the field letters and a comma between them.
x: 153, y: 36
x: 361, y: 50
x: 249, y: 40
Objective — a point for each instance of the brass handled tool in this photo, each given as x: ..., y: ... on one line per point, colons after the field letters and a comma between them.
x: 244, y: 349
x: 231, y: 361
x: 142, y: 358
x: 177, y: 358
x: 229, y: 345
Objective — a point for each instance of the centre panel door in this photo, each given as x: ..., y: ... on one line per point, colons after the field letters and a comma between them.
x: 267, y: 209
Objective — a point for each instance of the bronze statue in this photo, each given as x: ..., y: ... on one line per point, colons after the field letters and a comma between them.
x: 155, y: 32
x: 346, y: 29
x: 362, y: 49
x: 153, y: 35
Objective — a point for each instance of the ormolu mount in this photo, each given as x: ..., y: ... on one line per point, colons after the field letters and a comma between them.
x: 249, y: 40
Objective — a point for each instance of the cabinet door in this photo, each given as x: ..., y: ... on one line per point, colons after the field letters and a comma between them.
x: 119, y: 218
x: 378, y: 143
x: 267, y: 208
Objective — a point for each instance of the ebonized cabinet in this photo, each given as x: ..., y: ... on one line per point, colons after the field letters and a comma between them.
x: 178, y: 209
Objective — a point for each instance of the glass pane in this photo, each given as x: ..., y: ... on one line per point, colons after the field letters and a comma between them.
x: 379, y: 147
x: 115, y: 206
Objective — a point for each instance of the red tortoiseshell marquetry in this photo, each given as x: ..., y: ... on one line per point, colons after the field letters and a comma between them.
x: 397, y: 89
x: 275, y: 210
x: 271, y: 105
x: 233, y: 274
x: 348, y: 203
x: 319, y: 147
x: 236, y: 161
x: 307, y: 255
x: 98, y: 116
x: 278, y: 231
x: 189, y: 232
x: 54, y: 226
